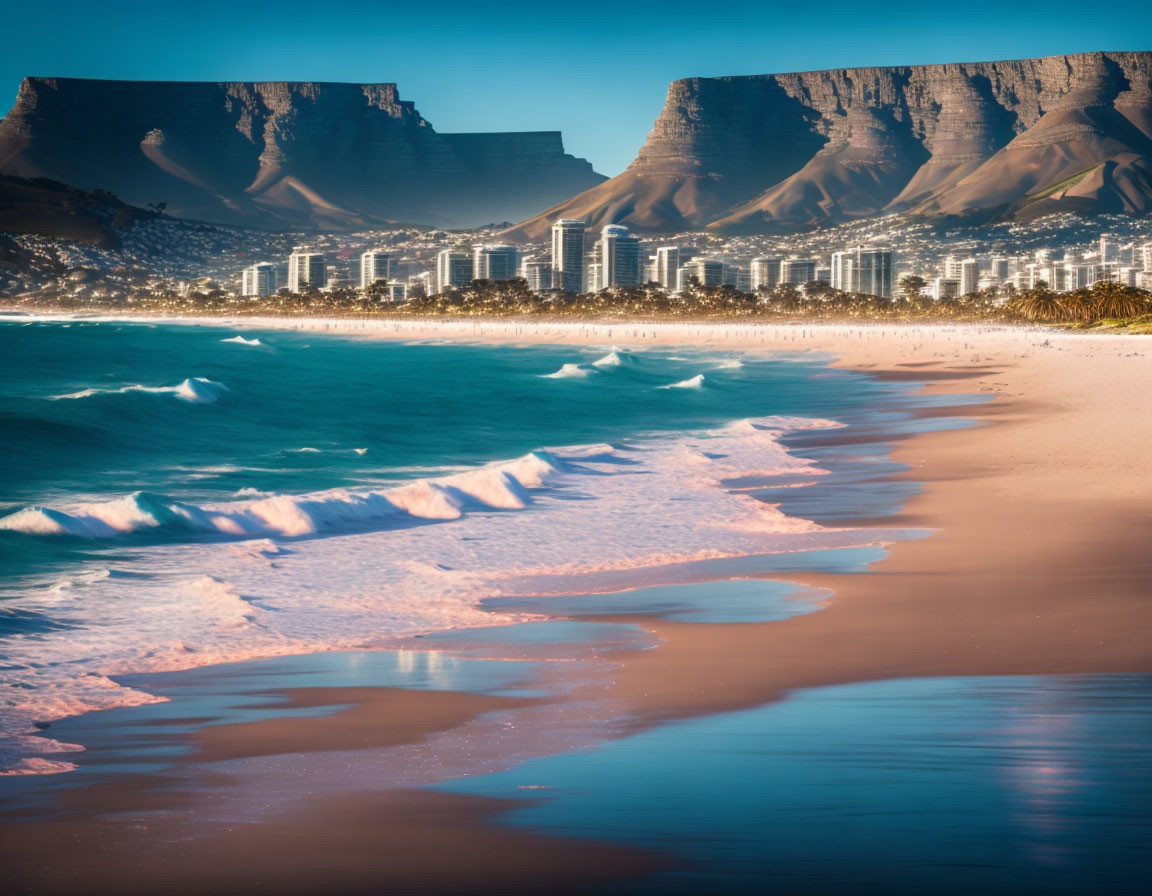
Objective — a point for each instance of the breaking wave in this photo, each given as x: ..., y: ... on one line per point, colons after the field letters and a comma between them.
x: 496, y: 487
x: 696, y: 382
x: 240, y: 340
x: 194, y: 390
x: 568, y: 372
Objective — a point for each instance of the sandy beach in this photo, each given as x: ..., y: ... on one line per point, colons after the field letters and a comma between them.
x: 1039, y: 564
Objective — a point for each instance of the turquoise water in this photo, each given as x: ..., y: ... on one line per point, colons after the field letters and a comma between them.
x: 954, y: 786
x: 177, y: 496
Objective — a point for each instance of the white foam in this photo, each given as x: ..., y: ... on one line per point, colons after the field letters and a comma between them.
x: 240, y: 340
x: 696, y: 382
x: 614, y: 358
x: 405, y: 560
x: 568, y: 372
x: 195, y: 390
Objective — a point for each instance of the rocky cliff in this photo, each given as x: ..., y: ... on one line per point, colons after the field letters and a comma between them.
x: 280, y: 154
x: 979, y: 140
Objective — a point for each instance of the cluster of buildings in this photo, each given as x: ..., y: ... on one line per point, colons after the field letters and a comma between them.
x: 617, y: 258
x: 1129, y: 264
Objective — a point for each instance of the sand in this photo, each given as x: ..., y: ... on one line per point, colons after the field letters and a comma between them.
x: 1041, y: 562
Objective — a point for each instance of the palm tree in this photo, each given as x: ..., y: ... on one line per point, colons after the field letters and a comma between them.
x: 1040, y: 304
x: 1112, y: 300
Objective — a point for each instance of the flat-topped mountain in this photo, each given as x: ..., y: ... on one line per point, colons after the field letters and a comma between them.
x: 990, y: 139
x: 280, y: 154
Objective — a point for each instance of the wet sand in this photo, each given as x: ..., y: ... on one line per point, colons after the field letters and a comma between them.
x: 1040, y: 563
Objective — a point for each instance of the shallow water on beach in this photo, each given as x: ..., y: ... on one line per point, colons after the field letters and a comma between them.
x: 1004, y: 784
x: 174, y: 497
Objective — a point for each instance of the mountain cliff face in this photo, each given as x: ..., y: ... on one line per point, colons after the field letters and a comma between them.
x: 280, y: 154
x: 1013, y: 139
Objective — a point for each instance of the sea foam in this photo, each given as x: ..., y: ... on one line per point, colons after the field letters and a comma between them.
x: 346, y: 568
x: 195, y: 390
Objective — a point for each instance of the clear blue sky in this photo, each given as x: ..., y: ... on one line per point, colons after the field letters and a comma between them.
x: 595, y: 70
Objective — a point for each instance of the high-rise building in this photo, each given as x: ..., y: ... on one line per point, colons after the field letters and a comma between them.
x: 667, y: 264
x: 968, y: 273
x: 375, y: 264
x: 452, y: 269
x: 798, y: 271
x: 620, y: 263
x: 306, y: 270
x: 705, y: 271
x: 1109, y: 248
x: 395, y: 292
x: 1142, y: 257
x: 568, y: 255
x: 865, y: 270
x: 1001, y: 267
x: 495, y: 262
x: 765, y: 273
x: 537, y: 273
x: 259, y: 280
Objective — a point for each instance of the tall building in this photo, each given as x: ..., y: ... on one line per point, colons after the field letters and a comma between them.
x: 798, y: 271
x: 495, y: 262
x: 537, y: 273
x: 452, y: 269
x: 667, y: 264
x: 568, y: 255
x: 968, y: 273
x: 865, y: 270
x: 375, y: 264
x: 1109, y: 248
x: 765, y: 272
x: 306, y: 270
x: 259, y: 280
x: 1000, y: 267
x: 620, y: 262
x: 1142, y: 257
x: 705, y: 271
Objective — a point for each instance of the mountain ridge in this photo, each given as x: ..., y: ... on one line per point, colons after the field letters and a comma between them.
x: 757, y: 153
x: 280, y: 154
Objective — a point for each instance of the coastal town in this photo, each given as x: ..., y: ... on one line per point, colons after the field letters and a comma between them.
x: 167, y: 264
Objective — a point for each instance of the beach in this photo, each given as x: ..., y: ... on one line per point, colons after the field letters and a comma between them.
x: 1034, y: 561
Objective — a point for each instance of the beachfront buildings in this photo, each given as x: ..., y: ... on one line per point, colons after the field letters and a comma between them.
x: 375, y: 265
x: 306, y: 270
x: 666, y: 264
x: 495, y: 262
x: 619, y: 258
x: 453, y: 268
x: 798, y: 271
x: 259, y: 280
x: 568, y: 255
x: 765, y: 272
x: 536, y: 273
x: 704, y: 271
x: 863, y: 269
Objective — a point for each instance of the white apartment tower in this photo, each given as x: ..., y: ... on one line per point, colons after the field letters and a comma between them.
x: 667, y: 264
x: 495, y: 262
x: 620, y: 262
x: 798, y: 271
x: 568, y: 255
x: 537, y: 273
x: 863, y: 269
x: 306, y: 270
x: 375, y: 265
x: 259, y: 280
x: 765, y: 273
x: 706, y: 271
x: 452, y: 269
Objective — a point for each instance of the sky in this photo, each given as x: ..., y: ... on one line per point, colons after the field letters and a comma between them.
x: 595, y: 70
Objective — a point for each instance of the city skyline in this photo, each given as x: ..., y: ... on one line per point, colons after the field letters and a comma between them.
x: 479, y: 53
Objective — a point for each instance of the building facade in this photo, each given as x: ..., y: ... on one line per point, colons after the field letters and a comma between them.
x: 568, y: 255
x: 259, y: 280
x: 306, y: 270
x: 620, y: 261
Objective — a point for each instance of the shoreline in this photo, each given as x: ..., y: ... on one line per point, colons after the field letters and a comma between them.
x: 1037, y: 564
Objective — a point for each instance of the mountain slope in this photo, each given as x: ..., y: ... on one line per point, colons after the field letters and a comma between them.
x: 762, y: 152
x: 280, y: 154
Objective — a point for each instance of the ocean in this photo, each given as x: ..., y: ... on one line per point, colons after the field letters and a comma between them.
x: 176, y: 496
